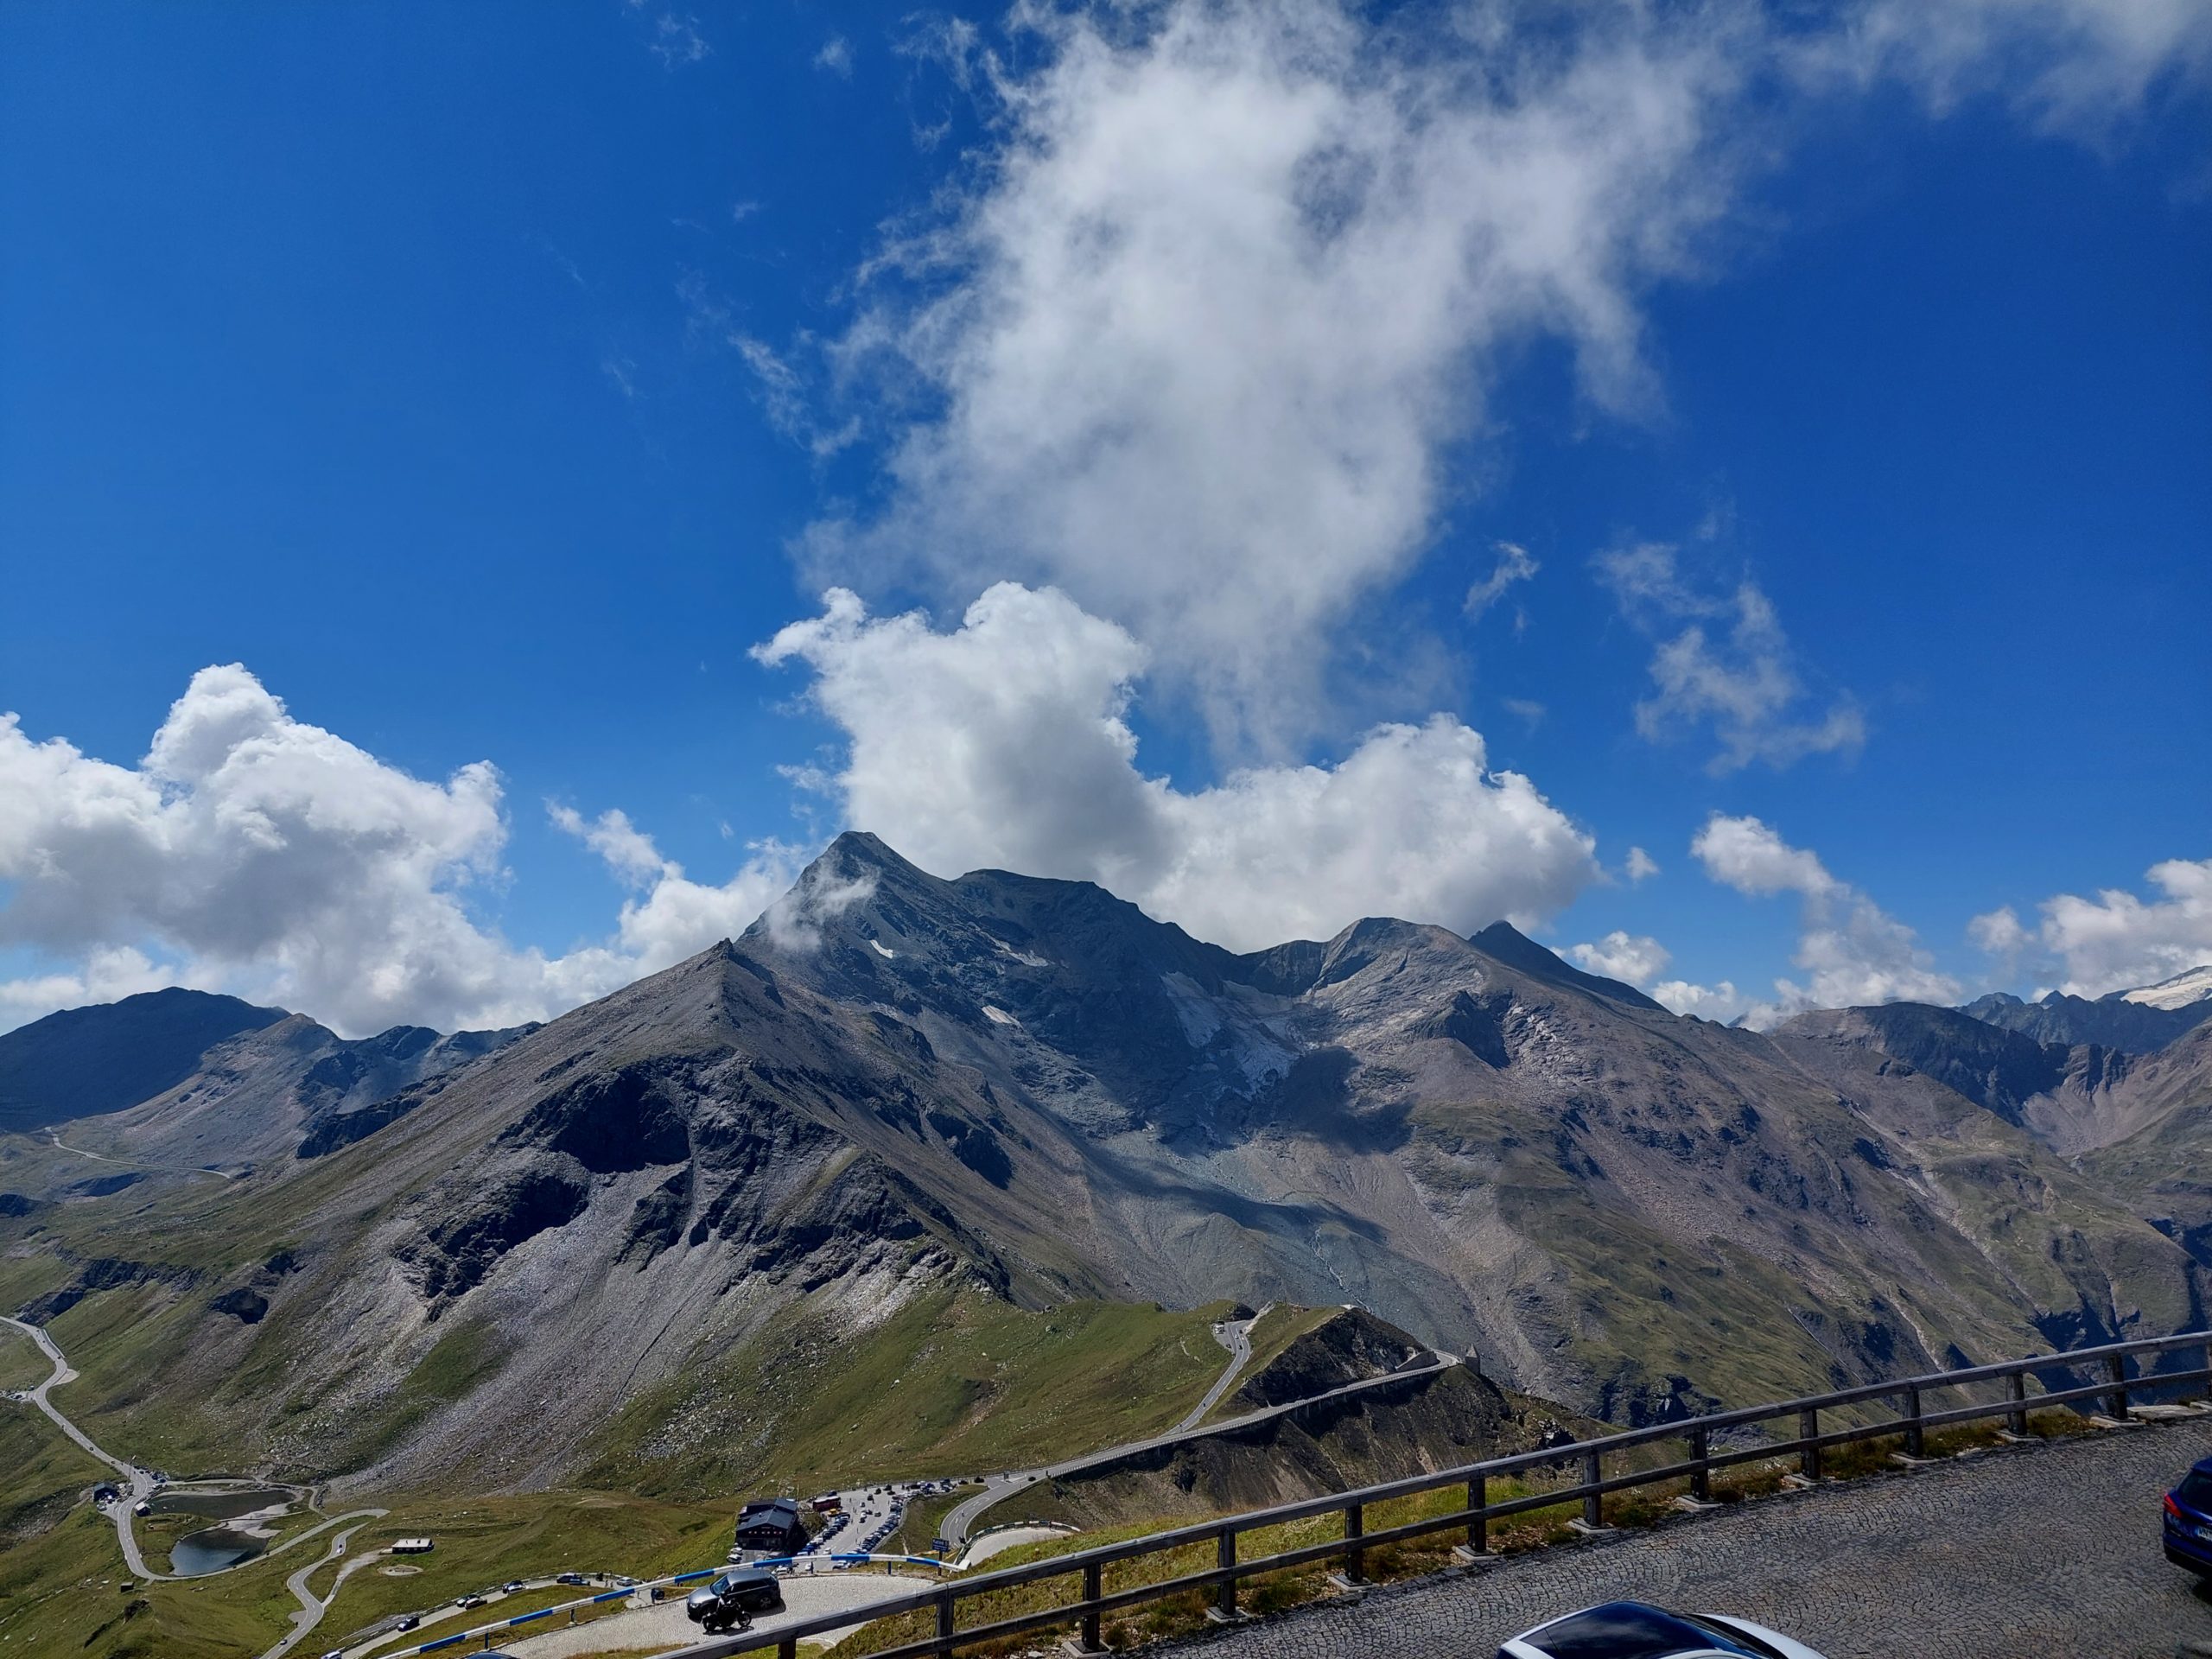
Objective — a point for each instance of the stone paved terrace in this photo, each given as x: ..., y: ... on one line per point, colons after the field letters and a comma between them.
x: 2046, y: 1552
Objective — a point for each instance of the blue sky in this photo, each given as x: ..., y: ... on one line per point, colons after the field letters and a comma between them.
x: 489, y: 381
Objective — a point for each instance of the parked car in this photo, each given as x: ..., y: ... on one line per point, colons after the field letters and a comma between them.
x: 472, y: 1599
x: 511, y: 1586
x: 721, y: 1604
x: 625, y: 1581
x: 1635, y: 1629
x: 2189, y: 1521
x: 405, y: 1622
x: 569, y: 1578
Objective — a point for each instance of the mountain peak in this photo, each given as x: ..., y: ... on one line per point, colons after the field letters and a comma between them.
x: 1502, y: 941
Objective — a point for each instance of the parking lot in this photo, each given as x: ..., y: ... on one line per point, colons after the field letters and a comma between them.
x: 2045, y: 1552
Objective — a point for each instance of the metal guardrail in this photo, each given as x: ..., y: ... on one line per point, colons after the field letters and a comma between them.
x: 1912, y: 1420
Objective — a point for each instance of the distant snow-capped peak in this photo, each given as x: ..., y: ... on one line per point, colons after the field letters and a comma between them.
x: 2179, y: 992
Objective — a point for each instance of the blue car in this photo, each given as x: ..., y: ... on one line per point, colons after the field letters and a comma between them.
x: 2189, y: 1521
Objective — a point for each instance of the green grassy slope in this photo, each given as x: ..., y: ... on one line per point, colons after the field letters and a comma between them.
x: 22, y: 1365
x: 956, y: 1383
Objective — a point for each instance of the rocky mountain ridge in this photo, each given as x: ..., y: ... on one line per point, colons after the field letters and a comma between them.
x: 1030, y: 1091
x: 2134, y: 1022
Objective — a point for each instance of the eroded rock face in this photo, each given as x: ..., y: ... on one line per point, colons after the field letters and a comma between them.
x: 609, y: 1122
x: 452, y: 1254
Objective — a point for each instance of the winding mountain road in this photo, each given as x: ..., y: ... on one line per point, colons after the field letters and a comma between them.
x: 60, y: 1145
x: 312, y: 1607
x: 998, y: 1487
x: 136, y: 1483
x: 1235, y: 1335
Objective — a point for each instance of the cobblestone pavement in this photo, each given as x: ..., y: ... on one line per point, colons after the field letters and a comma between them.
x: 2049, y: 1552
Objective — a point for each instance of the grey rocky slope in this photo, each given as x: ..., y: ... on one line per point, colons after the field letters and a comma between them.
x: 1030, y: 1089
x: 81, y: 1061
x: 2074, y: 1098
x: 272, y: 1085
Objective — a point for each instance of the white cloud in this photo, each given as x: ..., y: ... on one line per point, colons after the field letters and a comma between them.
x: 821, y: 894
x: 1720, y: 1002
x: 2078, y: 66
x: 1853, y: 953
x: 1641, y: 866
x: 252, y: 852
x: 672, y: 917
x: 835, y: 56
x: 1228, y: 279
x: 105, y: 974
x: 1004, y: 742
x: 2115, y: 941
x: 1636, y: 958
x: 1191, y: 346
x: 2000, y: 934
x: 1738, y: 678
x: 1639, y: 960
x: 1513, y: 564
x: 1747, y: 856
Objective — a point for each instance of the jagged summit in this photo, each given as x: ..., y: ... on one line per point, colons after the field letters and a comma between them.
x: 861, y: 887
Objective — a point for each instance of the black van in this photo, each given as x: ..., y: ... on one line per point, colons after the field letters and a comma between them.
x: 741, y: 1591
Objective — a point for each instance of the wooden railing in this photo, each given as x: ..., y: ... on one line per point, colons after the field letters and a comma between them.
x: 1708, y: 1443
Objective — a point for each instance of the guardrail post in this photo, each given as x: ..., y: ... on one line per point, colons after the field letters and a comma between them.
x: 1094, y: 1585
x: 1478, y: 1516
x: 1915, y: 1440
x: 1224, y: 1595
x: 788, y: 1647
x: 1809, y: 1430
x: 1702, y: 1476
x: 1593, y: 1507
x: 2016, y: 1390
x: 1355, y: 1557
x: 2116, y: 1369
x: 945, y: 1622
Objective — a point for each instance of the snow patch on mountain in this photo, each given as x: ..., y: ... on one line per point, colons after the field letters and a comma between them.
x: 2179, y: 992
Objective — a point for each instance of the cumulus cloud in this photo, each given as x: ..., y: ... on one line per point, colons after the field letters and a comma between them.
x: 1721, y: 662
x: 1852, y: 951
x: 106, y: 973
x: 668, y: 916
x: 835, y: 56
x: 2117, y: 940
x: 1720, y: 1002
x: 1190, y: 346
x: 1637, y: 958
x: 1640, y: 866
x: 251, y: 851
x: 1005, y: 742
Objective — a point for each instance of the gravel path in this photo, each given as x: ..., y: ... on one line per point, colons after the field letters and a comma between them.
x: 2049, y: 1550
